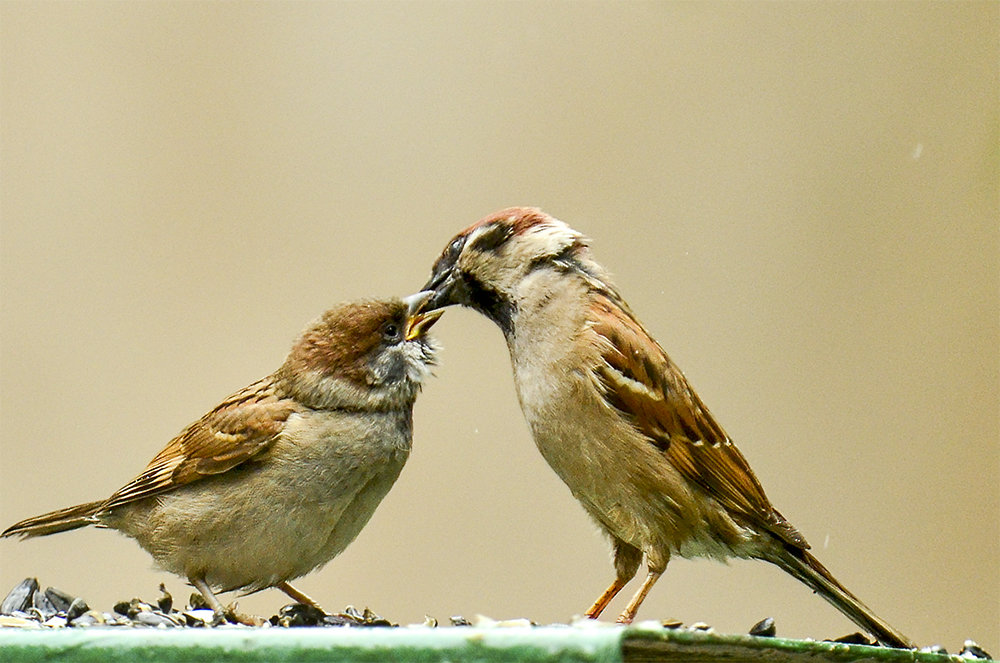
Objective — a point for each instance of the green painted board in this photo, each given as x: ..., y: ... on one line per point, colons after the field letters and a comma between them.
x: 597, y: 644
x: 676, y: 646
x: 311, y: 645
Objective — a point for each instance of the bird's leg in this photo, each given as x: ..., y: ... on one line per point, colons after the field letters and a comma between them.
x: 222, y: 615
x: 628, y: 614
x: 299, y: 597
x: 213, y: 603
x: 604, y: 599
x: 627, y: 559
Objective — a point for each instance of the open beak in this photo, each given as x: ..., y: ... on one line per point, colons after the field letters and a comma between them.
x: 419, y: 320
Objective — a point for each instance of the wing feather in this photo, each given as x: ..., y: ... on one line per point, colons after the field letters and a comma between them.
x: 239, y: 429
x: 641, y: 381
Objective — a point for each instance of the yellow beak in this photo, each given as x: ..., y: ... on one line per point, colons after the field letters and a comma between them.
x: 418, y: 321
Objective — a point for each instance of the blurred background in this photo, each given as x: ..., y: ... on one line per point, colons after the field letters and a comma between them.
x: 799, y: 200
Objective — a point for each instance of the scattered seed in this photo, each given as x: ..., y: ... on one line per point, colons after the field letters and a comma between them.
x: 197, y: 602
x: 89, y: 618
x: 339, y: 620
x: 137, y: 606
x: 151, y: 618
x: 353, y: 613
x: 201, y: 617
x: 19, y: 598
x: 515, y: 623
x: 17, y: 622
x: 61, y: 600
x: 934, y: 649
x: 109, y: 619
x: 765, y: 628
x: 369, y: 618
x: 166, y: 601
x: 297, y: 614
x: 853, y: 639
x: 973, y: 650
x: 77, y: 608
x: 42, y: 603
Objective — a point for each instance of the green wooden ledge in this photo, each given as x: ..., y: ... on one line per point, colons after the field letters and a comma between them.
x: 598, y: 644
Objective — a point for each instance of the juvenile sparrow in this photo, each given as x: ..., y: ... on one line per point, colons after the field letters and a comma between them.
x: 280, y: 477
x: 614, y: 417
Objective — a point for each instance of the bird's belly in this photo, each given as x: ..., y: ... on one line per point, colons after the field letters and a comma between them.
x: 263, y: 523
x: 625, y: 483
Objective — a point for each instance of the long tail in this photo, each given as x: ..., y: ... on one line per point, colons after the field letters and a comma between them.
x: 62, y: 520
x: 801, y: 564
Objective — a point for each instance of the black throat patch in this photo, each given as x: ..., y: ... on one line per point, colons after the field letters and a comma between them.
x: 492, y: 304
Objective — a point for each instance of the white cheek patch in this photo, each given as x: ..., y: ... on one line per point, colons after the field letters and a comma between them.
x: 395, y: 381
x: 546, y: 240
x: 420, y: 357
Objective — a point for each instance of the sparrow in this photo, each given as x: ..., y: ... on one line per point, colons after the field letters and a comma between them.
x: 615, y: 418
x: 281, y: 476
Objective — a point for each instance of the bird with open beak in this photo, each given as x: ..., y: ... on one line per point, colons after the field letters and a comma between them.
x: 281, y: 476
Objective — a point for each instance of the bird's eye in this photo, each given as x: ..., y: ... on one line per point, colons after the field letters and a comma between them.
x: 392, y: 332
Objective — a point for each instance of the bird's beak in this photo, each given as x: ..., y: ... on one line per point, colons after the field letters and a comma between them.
x: 444, y: 290
x: 418, y: 318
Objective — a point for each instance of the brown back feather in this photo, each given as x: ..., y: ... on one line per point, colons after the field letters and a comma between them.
x: 240, y: 428
x: 643, y: 383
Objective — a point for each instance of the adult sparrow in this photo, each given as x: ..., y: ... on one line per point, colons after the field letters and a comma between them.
x: 281, y: 476
x: 614, y: 417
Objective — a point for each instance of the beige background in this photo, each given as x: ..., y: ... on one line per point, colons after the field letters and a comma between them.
x: 800, y: 201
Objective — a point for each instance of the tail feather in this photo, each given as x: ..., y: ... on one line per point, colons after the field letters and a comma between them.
x: 801, y: 564
x: 62, y: 520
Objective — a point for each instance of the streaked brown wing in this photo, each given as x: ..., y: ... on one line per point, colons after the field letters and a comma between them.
x: 240, y: 428
x: 643, y: 383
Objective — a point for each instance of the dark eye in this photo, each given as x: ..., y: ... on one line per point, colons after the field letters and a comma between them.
x: 455, y: 248
x: 392, y: 331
